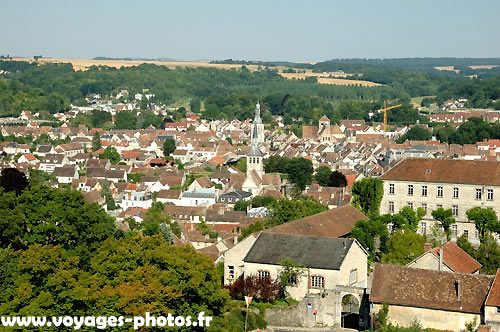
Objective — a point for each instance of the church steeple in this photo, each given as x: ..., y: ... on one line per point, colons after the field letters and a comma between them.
x: 258, y: 126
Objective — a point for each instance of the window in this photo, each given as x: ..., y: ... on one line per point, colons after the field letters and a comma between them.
x: 410, y: 190
x: 424, y: 191
x: 454, y: 230
x: 231, y: 271
x: 317, y: 282
x: 264, y: 274
x: 439, y: 206
x: 439, y: 191
x: 479, y: 193
x: 454, y: 210
x: 466, y: 233
x: 424, y: 206
x: 353, y: 277
x: 293, y: 279
x: 498, y: 310
x: 476, y: 234
x: 423, y: 228
x: 489, y: 195
x: 455, y: 192
x: 391, y: 207
x: 391, y: 188
x: 410, y: 204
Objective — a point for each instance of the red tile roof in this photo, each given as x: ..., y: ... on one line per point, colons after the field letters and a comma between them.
x: 331, y: 223
x: 457, y: 259
x: 431, y: 289
x: 494, y: 295
x: 446, y: 171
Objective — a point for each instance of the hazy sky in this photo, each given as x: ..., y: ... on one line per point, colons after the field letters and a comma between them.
x: 312, y: 30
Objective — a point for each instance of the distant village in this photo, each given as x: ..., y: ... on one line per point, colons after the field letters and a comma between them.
x: 202, y: 179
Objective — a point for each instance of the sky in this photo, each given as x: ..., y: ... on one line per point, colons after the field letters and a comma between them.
x: 272, y: 30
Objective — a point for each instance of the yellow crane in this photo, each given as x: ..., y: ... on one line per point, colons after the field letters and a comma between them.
x: 385, y: 109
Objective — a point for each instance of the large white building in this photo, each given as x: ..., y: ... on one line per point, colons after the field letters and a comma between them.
x: 430, y: 184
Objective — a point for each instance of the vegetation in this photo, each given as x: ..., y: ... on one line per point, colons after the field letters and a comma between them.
x: 111, y: 154
x: 168, y: 147
x: 485, y: 220
x: 416, y: 133
x: 367, y: 195
x: 403, y: 247
x: 299, y: 170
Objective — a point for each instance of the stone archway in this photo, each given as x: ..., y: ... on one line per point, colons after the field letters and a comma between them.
x: 350, y: 311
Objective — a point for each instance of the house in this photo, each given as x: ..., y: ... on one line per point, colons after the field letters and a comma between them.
x: 169, y: 196
x: 69, y: 149
x: 51, y: 161
x: 458, y: 185
x: 44, y: 149
x: 234, y: 196
x: 201, y: 183
x: 66, y: 174
x: 439, y: 300
x: 199, y: 197
x: 448, y: 257
x: 492, y: 305
x: 329, y: 262
x: 108, y: 174
x: 28, y: 158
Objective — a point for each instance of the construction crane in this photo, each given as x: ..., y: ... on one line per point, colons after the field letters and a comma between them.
x: 385, y: 109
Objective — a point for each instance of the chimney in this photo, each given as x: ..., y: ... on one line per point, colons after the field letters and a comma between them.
x: 458, y: 290
x: 441, y: 253
x: 427, y: 246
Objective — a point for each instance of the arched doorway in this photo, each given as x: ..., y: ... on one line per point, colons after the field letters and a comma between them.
x: 350, y: 311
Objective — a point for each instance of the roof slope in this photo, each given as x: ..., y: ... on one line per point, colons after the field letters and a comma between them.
x: 446, y: 171
x: 494, y: 295
x: 273, y: 248
x: 331, y: 223
x: 429, y: 289
x: 457, y: 259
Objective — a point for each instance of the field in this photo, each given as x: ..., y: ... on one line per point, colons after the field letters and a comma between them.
x: 448, y: 68
x: 327, y: 78
x: 84, y: 64
x: 323, y: 78
x: 483, y: 67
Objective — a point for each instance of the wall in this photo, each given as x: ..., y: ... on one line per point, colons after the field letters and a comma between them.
x: 428, y: 262
x: 466, y: 200
x: 355, y: 259
x: 492, y: 317
x: 429, y: 318
x: 234, y: 257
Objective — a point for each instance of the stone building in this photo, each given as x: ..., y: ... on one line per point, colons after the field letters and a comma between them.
x: 430, y: 184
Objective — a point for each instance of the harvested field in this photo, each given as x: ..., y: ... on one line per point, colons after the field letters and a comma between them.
x: 483, y: 67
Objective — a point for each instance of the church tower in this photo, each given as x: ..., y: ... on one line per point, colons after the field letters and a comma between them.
x: 255, y: 159
x: 257, y: 124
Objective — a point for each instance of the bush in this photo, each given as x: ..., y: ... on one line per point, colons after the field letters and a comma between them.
x: 265, y: 289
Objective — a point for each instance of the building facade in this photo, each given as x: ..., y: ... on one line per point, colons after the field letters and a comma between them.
x: 431, y: 184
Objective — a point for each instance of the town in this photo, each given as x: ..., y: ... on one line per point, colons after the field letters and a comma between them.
x: 232, y: 191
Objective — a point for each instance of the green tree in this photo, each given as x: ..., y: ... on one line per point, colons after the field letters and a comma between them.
x: 168, y: 147
x: 444, y: 217
x: 51, y: 216
x: 14, y: 180
x: 300, y: 171
x: 367, y: 195
x: 337, y: 179
x: 241, y: 165
x: 125, y: 120
x: 111, y: 154
x: 485, y: 220
x: 403, y: 247
x: 195, y: 105
x: 322, y: 175
x: 416, y: 133
x: 96, y: 141
x: 285, y: 210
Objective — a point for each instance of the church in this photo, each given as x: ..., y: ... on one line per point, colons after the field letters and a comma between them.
x: 324, y: 132
x: 257, y: 181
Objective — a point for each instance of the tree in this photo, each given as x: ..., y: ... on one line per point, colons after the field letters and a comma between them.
x: 444, y: 217
x: 416, y: 133
x: 403, y: 247
x: 96, y: 141
x: 291, y: 272
x: 367, y: 231
x: 485, y: 220
x: 367, y: 195
x: 285, y: 210
x: 322, y: 175
x: 51, y: 216
x: 111, y: 154
x: 125, y: 120
x: 168, y: 147
x: 13, y: 180
x: 300, y: 171
x: 195, y: 105
x: 337, y: 179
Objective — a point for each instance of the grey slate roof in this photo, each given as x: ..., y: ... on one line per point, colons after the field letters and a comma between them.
x: 312, y: 252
